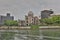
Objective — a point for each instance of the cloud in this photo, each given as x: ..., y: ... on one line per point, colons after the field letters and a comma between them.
x: 20, y: 7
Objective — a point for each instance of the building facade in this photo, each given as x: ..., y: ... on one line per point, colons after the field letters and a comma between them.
x: 21, y: 23
x: 7, y: 17
x: 46, y: 13
x: 31, y: 19
x: 36, y: 21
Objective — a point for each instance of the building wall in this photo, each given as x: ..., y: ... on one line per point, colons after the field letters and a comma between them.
x: 3, y: 18
x: 36, y: 20
x: 21, y: 23
x: 46, y: 13
x: 30, y: 19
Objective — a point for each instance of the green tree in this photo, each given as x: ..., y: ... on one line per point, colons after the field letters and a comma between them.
x: 11, y: 23
x: 52, y: 20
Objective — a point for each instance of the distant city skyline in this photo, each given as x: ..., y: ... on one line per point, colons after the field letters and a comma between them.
x: 19, y: 8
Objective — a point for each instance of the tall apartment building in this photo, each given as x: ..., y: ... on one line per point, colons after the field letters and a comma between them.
x: 46, y: 13
x: 30, y: 19
x: 7, y: 17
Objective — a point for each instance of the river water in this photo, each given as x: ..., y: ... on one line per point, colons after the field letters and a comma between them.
x: 19, y: 35
x: 22, y: 34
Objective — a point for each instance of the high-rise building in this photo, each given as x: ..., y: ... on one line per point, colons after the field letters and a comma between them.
x: 46, y: 13
x: 7, y: 17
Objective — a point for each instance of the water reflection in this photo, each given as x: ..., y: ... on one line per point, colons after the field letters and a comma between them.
x: 17, y: 35
x: 29, y: 35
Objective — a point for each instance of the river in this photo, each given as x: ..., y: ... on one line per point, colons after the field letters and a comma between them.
x: 23, y: 34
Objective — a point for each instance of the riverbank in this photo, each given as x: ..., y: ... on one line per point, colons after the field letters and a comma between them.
x: 27, y: 28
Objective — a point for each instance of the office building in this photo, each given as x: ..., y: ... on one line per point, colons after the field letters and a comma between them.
x: 7, y: 17
x: 46, y: 13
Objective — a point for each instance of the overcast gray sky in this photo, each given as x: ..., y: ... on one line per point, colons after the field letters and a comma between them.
x: 19, y: 8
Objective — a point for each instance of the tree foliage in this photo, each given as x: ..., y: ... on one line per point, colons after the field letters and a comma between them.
x: 52, y: 20
x: 11, y: 23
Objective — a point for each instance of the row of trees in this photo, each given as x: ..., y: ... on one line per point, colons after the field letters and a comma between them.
x: 52, y: 20
x: 11, y: 23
